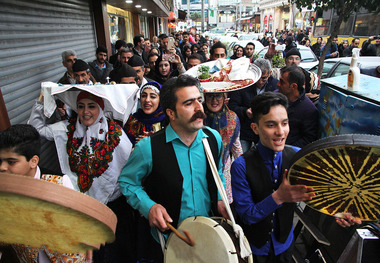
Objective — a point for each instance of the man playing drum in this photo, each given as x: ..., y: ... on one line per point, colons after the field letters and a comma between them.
x: 167, y: 177
x: 264, y: 199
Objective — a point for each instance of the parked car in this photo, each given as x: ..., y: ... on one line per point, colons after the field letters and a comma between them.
x: 253, y: 36
x: 308, y: 58
x: 243, y: 43
x: 339, y: 66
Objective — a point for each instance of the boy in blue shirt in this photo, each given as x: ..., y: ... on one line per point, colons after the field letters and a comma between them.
x: 263, y: 197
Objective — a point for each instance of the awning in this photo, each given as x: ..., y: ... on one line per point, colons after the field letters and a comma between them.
x: 182, y: 15
x: 156, y: 7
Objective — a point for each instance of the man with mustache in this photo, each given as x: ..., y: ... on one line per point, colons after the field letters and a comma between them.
x: 167, y: 177
x: 82, y: 72
x: 100, y: 68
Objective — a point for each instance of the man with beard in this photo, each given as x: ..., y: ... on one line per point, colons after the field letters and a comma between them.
x: 139, y: 47
x: 249, y: 51
x: 293, y: 58
x: 303, y: 115
x: 82, y: 72
x: 100, y: 68
x: 167, y: 177
x: 240, y: 102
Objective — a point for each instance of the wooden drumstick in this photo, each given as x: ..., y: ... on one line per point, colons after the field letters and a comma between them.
x: 188, y: 239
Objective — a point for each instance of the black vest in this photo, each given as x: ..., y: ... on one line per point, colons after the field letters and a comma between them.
x: 261, y: 187
x: 164, y: 184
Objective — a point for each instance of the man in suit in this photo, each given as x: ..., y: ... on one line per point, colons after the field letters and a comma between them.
x: 240, y: 102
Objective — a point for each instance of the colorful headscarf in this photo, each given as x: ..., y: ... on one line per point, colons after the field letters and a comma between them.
x: 224, y: 121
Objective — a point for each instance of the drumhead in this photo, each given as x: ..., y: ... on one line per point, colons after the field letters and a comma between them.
x: 35, y: 213
x: 212, y: 243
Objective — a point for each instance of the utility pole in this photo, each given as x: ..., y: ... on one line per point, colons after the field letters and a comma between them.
x: 203, y: 16
x: 208, y: 16
x: 188, y: 13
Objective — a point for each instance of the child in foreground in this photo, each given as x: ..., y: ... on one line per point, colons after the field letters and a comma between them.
x: 19, y: 154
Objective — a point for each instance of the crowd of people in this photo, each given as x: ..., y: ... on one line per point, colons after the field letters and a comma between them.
x: 370, y: 47
x: 152, y: 169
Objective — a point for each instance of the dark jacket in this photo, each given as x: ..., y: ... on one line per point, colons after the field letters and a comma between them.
x: 98, y: 74
x: 143, y: 55
x: 114, y: 59
x: 261, y: 187
x: 65, y: 79
x: 368, y: 49
x: 316, y: 48
x: 303, y: 122
x: 347, y: 52
x: 240, y: 101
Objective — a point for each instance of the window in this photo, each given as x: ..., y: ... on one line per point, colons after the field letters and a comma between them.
x: 342, y: 69
x: 345, y: 27
x: 327, y: 66
x: 367, y: 25
x: 307, y: 55
x: 323, y: 23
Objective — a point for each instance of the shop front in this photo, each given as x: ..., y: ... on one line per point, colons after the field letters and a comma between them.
x: 120, y: 24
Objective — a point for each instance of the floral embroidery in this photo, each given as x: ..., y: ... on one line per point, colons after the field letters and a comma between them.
x: 89, y: 165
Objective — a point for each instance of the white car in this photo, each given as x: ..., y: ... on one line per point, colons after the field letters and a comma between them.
x: 252, y: 36
x: 243, y: 43
x: 333, y: 67
x: 308, y: 58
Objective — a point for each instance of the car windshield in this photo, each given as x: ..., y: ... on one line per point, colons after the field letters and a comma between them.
x: 307, y: 55
x: 327, y: 66
x: 262, y: 52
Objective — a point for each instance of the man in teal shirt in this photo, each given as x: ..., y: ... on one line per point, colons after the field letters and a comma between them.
x: 167, y: 177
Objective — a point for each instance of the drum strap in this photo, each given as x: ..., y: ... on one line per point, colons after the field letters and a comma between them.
x: 244, y: 246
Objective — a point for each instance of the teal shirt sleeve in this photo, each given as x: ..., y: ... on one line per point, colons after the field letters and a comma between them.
x: 138, y: 166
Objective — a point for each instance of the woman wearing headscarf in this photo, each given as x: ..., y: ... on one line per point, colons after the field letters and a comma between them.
x: 92, y: 150
x: 224, y: 120
x: 186, y: 53
x: 165, y: 69
x: 149, y: 118
x: 238, y: 52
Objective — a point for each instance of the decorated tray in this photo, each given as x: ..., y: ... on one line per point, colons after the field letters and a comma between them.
x: 35, y: 213
x: 226, y: 75
x: 345, y: 174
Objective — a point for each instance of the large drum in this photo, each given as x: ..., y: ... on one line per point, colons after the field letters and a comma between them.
x: 35, y: 213
x: 214, y: 238
x: 345, y: 174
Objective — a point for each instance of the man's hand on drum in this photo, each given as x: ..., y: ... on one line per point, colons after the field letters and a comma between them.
x: 348, y: 220
x: 157, y: 216
x: 287, y: 193
x: 222, y: 209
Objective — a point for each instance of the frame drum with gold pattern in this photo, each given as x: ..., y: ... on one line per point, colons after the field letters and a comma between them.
x: 35, y: 213
x: 345, y: 174
x: 214, y: 239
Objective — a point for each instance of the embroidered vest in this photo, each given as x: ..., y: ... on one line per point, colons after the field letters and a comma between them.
x: 261, y: 187
x: 164, y: 184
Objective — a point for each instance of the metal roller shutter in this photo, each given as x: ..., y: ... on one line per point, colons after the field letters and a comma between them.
x: 33, y: 34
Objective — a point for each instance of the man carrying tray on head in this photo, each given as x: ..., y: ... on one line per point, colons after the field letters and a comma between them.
x: 167, y: 177
x: 263, y: 198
